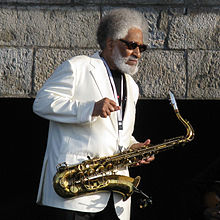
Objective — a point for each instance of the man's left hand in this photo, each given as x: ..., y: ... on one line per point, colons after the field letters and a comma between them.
x: 146, y: 160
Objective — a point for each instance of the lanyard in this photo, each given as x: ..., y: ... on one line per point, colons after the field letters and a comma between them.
x: 120, y: 112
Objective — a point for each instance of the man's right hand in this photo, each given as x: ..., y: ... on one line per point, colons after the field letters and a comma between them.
x: 104, y: 107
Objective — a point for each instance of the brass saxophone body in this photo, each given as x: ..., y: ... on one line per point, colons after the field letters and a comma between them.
x: 98, y: 174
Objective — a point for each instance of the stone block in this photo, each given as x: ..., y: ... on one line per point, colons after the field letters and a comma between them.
x: 88, y: 1
x: 49, y: 26
x: 37, y: 1
x: 161, y: 71
x: 144, y: 2
x: 198, y: 29
x: 159, y: 20
x: 47, y: 60
x: 15, y: 72
x: 202, y: 2
x: 204, y: 74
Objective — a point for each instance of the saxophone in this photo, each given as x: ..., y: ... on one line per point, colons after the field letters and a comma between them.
x: 98, y: 174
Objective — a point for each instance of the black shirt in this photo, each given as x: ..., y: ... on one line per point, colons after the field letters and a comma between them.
x: 117, y: 80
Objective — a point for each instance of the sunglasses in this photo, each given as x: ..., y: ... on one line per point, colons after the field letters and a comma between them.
x: 132, y: 45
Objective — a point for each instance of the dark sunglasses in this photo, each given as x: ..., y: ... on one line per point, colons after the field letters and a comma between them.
x: 132, y: 45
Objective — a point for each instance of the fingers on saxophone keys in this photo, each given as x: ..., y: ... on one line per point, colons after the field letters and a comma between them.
x: 151, y: 158
x: 146, y: 160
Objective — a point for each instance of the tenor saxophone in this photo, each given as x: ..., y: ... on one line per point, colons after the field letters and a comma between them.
x: 98, y: 174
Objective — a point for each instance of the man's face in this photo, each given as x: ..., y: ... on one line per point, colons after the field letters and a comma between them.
x: 124, y: 57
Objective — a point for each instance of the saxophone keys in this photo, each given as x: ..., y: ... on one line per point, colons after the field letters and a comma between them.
x: 61, y: 166
x: 100, y: 168
x: 80, y: 175
x: 90, y: 171
x: 81, y: 167
x: 74, y: 189
x: 109, y: 166
x: 64, y: 183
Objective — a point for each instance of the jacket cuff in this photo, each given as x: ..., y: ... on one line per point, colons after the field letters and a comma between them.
x: 133, y: 141
x: 84, y: 112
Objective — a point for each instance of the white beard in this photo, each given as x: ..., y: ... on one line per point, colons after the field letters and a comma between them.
x: 120, y: 62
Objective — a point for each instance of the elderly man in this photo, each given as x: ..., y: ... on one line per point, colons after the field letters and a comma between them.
x: 90, y: 102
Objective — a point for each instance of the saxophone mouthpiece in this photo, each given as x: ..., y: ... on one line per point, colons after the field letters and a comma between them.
x: 173, y: 101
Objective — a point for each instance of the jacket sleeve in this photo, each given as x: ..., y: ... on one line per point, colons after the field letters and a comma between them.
x: 133, y: 141
x: 55, y: 100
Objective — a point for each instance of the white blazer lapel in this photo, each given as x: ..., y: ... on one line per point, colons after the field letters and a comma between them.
x: 130, y: 104
x: 101, y: 78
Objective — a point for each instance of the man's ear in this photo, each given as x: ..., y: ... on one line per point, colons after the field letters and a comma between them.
x: 109, y: 44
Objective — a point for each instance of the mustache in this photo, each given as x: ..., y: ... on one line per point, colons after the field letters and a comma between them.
x: 132, y: 57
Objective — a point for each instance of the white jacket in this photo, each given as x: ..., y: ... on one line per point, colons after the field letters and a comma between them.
x: 67, y: 99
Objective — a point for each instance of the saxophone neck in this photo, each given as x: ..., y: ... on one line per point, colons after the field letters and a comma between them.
x: 190, y: 132
x: 189, y: 129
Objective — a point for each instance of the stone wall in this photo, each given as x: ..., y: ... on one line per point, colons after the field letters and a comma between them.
x: 183, y: 53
